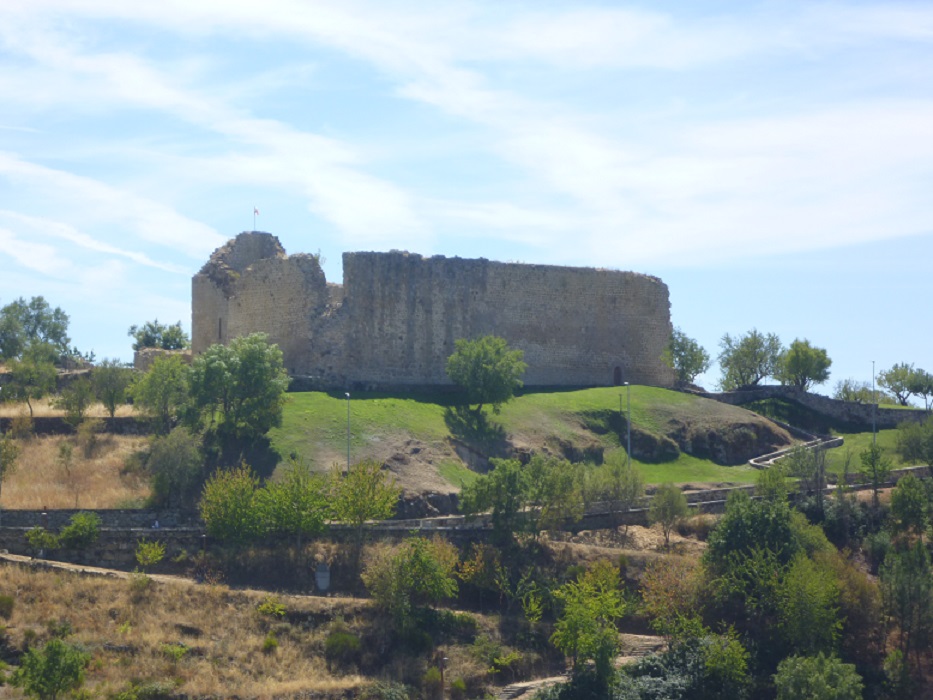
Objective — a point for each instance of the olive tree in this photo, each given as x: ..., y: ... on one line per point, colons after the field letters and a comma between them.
x: 668, y: 507
x: 803, y: 365
x: 153, y: 334
x: 748, y: 359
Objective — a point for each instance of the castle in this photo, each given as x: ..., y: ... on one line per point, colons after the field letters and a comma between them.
x: 394, y: 321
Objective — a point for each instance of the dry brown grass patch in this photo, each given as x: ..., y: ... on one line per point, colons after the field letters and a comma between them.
x: 100, y: 481
x: 44, y: 408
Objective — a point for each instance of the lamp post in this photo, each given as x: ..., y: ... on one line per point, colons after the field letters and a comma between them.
x: 348, y: 431
x: 628, y: 449
x: 874, y: 404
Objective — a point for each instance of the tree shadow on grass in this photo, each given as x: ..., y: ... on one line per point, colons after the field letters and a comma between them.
x: 476, y: 430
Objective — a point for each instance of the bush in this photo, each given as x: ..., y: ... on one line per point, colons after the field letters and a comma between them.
x: 56, y: 669
x: 6, y: 606
x: 432, y: 683
x: 89, y: 436
x: 81, y: 532
x: 41, y: 539
x: 386, y: 690
x: 817, y: 677
x: 22, y: 427
x: 271, y: 606
x: 341, y: 648
x: 149, y: 553
x: 270, y: 643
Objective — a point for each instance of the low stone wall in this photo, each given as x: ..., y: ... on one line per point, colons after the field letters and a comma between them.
x: 846, y: 411
x: 109, y: 519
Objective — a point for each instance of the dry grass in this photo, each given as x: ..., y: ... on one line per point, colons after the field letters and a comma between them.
x: 99, y: 481
x: 45, y: 408
x: 127, y: 628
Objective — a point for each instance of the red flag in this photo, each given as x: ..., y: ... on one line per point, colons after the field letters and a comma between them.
x: 255, y: 211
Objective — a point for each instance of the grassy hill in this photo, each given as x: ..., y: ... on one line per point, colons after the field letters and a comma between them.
x: 432, y: 446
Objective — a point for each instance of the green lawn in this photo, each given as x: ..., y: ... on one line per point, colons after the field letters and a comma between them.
x: 315, y: 424
x: 855, y: 444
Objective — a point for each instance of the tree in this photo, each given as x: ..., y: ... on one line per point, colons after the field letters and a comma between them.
x: 907, y: 595
x: 23, y: 324
x: 808, y: 606
x: 803, y: 365
x: 909, y: 506
x: 75, y: 399
x: 162, y: 391
x: 859, y: 392
x: 296, y: 505
x: 53, y: 671
x: 228, y: 506
x: 111, y: 379
x: 915, y: 442
x: 817, y: 678
x: 686, y: 357
x: 553, y: 496
x: 32, y: 378
x: 921, y: 384
x: 668, y: 507
x: 586, y: 629
x: 876, y: 467
x: 624, y: 486
x: 176, y: 469
x: 810, y: 467
x: 487, y: 370
x: 9, y: 452
x: 899, y: 381
x: 747, y: 360
x: 238, y: 389
x: 153, y: 334
x: 364, y: 492
x: 504, y: 491
x: 420, y: 571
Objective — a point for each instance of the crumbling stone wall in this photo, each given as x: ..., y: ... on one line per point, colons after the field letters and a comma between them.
x: 396, y: 319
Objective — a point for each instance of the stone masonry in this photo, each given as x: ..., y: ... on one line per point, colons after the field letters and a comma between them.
x: 394, y: 321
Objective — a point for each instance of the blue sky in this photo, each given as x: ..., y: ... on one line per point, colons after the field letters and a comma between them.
x: 770, y: 161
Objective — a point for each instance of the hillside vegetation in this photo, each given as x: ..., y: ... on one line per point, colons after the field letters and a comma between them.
x: 432, y: 446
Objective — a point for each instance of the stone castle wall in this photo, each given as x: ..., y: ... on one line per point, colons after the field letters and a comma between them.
x: 395, y: 320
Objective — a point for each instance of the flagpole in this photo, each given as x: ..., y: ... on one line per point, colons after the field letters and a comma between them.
x: 255, y: 213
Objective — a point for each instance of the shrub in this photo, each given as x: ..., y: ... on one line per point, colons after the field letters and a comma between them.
x: 22, y: 427
x: 386, y: 690
x: 41, y: 539
x: 458, y: 689
x: 56, y: 669
x: 81, y: 532
x: 6, y: 606
x: 271, y: 606
x: 432, y: 683
x: 149, y: 553
x: 270, y: 643
x: 89, y: 436
x: 341, y: 648
x: 817, y: 677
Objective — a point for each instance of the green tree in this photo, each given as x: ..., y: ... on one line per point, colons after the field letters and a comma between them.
x: 915, y: 442
x: 419, y: 572
x: 686, y: 357
x: 860, y: 392
x: 228, y: 506
x: 75, y: 399
x: 810, y: 467
x: 899, y: 381
x: 32, y: 377
x: 803, y: 365
x: 487, y: 370
x: 553, y: 496
x: 52, y: 672
x: 909, y: 506
x: 907, y: 595
x: 9, y: 453
x: 747, y: 360
x: 808, y: 607
x: 297, y: 505
x: 921, y: 384
x: 504, y: 491
x: 624, y: 486
x: 238, y: 389
x: 162, y: 391
x: 364, y: 492
x: 82, y: 530
x: 153, y: 334
x: 668, y: 507
x: 876, y: 467
x: 586, y: 628
x: 149, y: 553
x: 111, y: 379
x: 24, y: 324
x: 176, y: 469
x: 817, y: 678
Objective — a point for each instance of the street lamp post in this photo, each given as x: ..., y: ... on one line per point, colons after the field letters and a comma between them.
x: 348, y: 431
x: 628, y: 449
